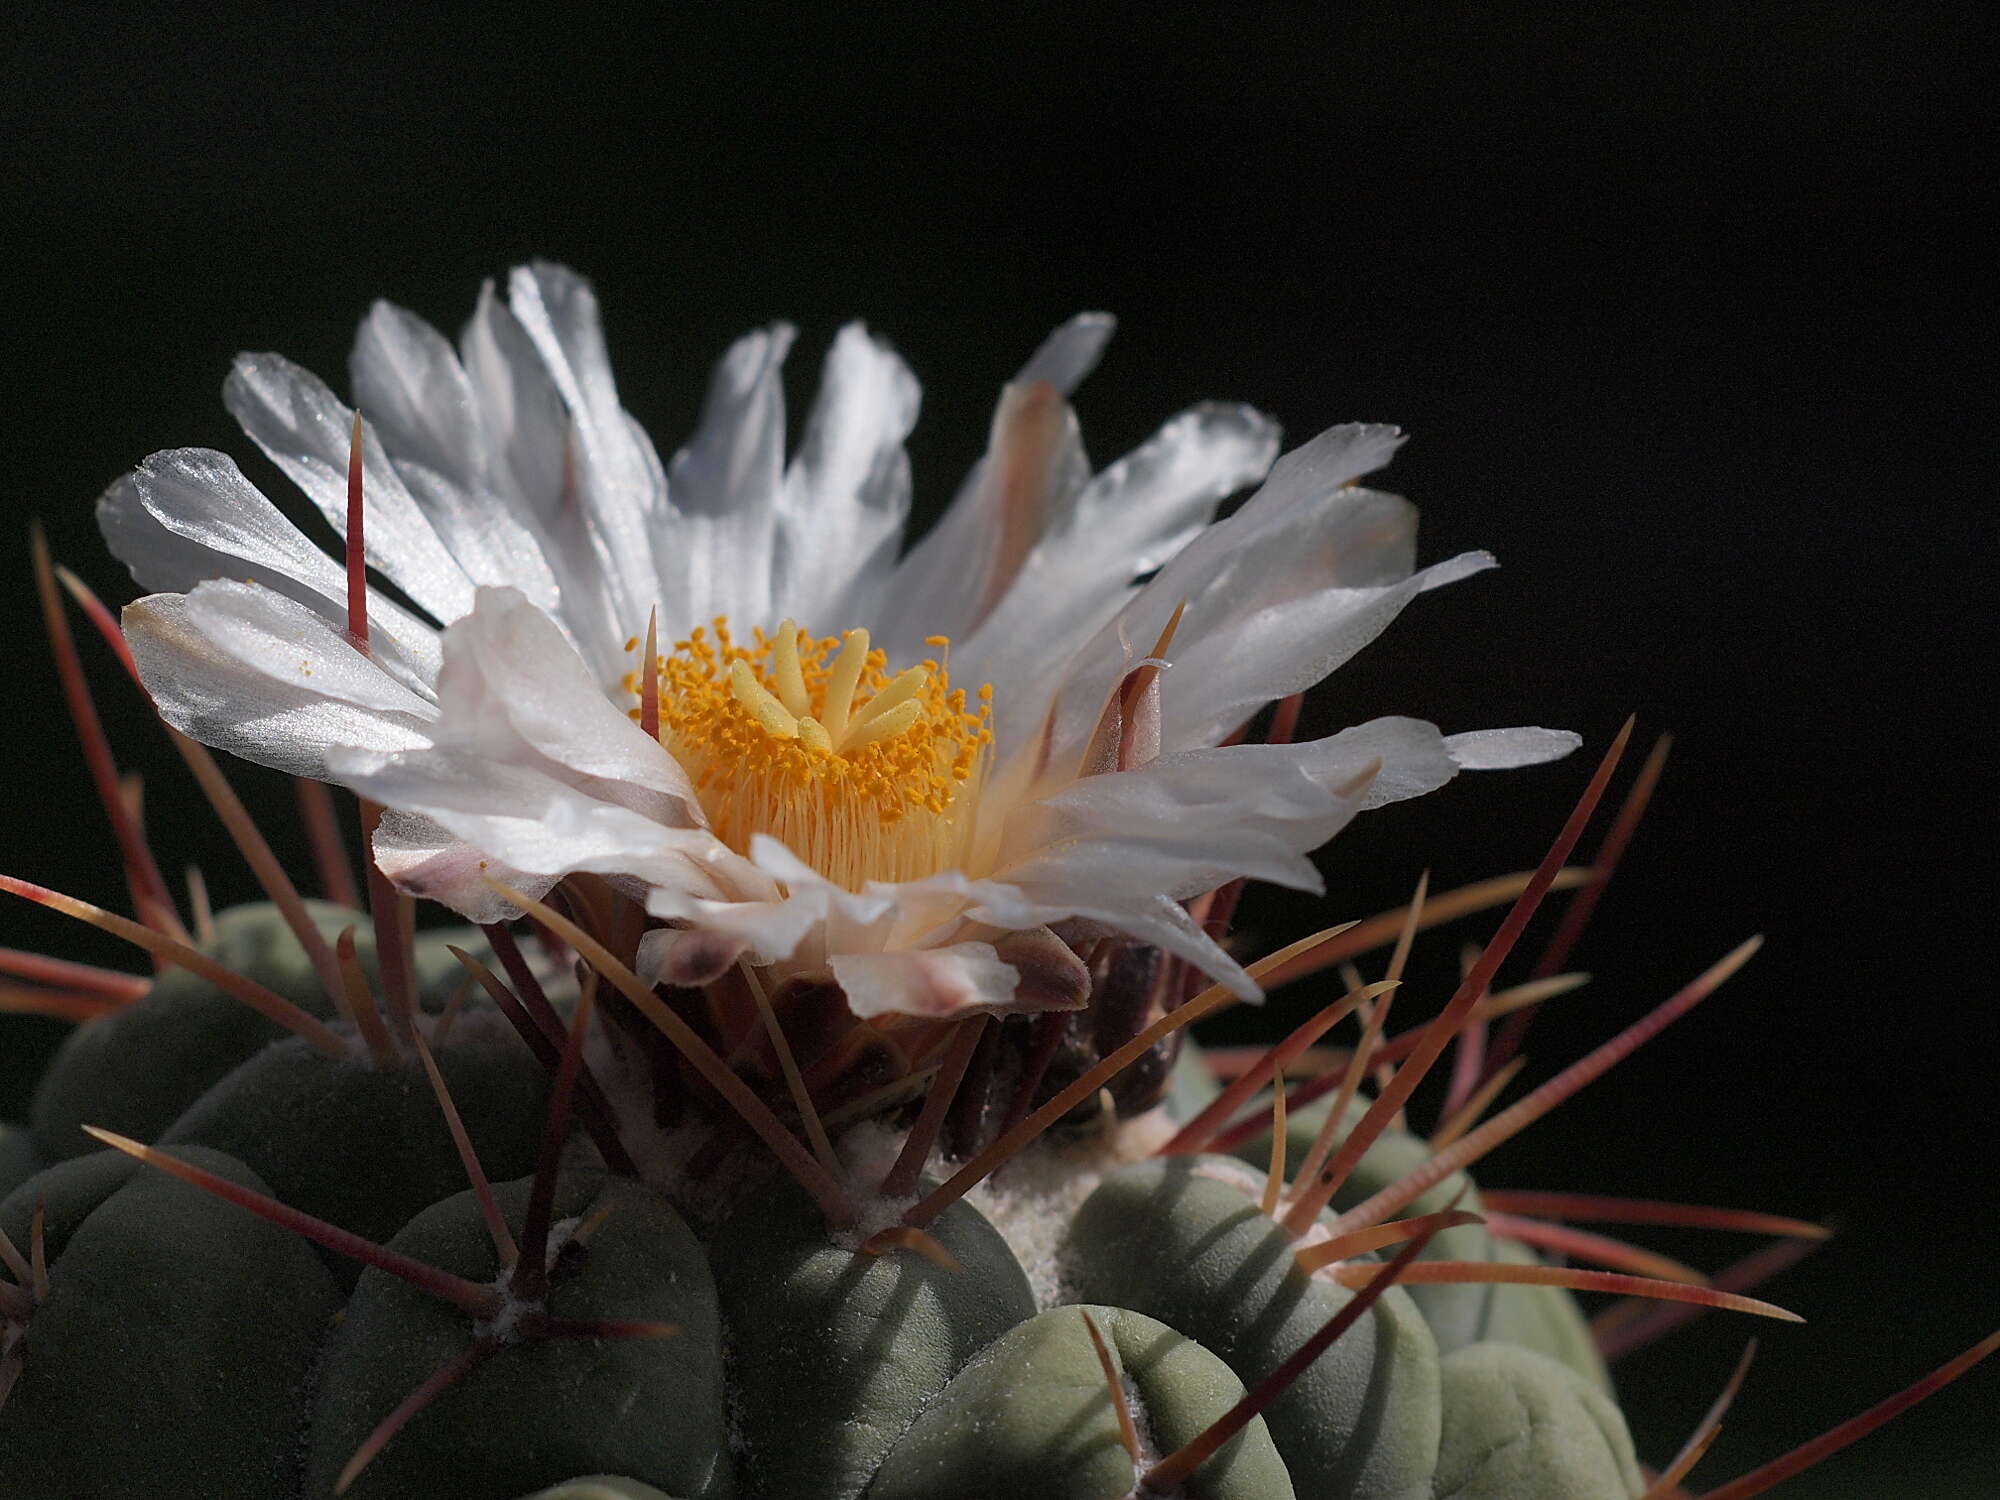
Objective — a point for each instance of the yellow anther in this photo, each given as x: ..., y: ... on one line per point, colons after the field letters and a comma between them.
x: 770, y: 735
x: 906, y: 686
x: 771, y: 715
x: 785, y: 671
x: 884, y: 726
x: 847, y: 668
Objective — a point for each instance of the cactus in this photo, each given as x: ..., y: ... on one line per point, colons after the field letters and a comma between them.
x: 790, y: 1125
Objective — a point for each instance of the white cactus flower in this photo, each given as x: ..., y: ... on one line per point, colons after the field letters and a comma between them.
x: 897, y: 767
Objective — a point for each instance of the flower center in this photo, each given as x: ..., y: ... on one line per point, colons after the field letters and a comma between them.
x: 862, y: 775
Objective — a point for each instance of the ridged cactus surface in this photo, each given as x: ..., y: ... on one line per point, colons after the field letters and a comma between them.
x: 187, y: 1337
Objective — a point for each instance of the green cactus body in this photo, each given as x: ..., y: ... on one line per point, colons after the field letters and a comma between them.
x: 1181, y: 1240
x: 171, y: 1352
x: 539, y: 1409
x: 1545, y: 1319
x: 138, y: 1070
x: 834, y: 1354
x: 1542, y: 1318
x: 18, y: 1158
x: 1518, y: 1424
x: 364, y: 1147
x: 1032, y: 1415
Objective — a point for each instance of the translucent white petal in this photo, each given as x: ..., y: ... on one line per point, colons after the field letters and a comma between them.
x: 1067, y: 356
x: 307, y: 431
x: 813, y: 924
x: 1241, y: 662
x: 717, y: 543
x: 1157, y: 920
x: 949, y: 581
x: 769, y: 931
x: 513, y: 689
x: 847, y: 493
x: 558, y: 310
x: 1336, y: 457
x: 616, y: 472
x: 429, y: 861
x: 1306, y: 531
x: 254, y: 673
x: 531, y: 457
x: 1128, y: 521
x: 525, y: 421
x: 1257, y: 627
x: 1176, y: 865
x: 1505, y: 749
x: 188, y: 515
x: 522, y: 817
x: 408, y: 379
x: 685, y: 956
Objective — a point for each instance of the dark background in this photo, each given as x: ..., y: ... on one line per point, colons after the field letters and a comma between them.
x: 1679, y: 305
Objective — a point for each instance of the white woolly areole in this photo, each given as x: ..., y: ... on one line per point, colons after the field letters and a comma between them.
x: 1032, y: 1199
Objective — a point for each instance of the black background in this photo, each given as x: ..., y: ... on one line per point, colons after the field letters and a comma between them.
x: 1679, y: 305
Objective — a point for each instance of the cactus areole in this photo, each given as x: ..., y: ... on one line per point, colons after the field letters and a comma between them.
x: 802, y: 1106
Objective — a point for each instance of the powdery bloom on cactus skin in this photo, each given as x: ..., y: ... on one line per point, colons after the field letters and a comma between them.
x: 899, y: 768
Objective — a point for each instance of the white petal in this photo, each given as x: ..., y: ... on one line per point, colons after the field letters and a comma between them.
x: 1238, y: 664
x: 512, y: 688
x: 718, y: 544
x: 953, y: 576
x: 1128, y: 521
x: 1173, y: 865
x: 525, y: 421
x: 526, y: 818
x: 855, y: 920
x: 408, y: 379
x: 188, y: 515
x: 933, y: 983
x: 1336, y: 457
x: 1505, y: 749
x: 428, y: 860
x: 1276, y: 597
x: 531, y: 457
x: 769, y: 932
x: 1159, y: 921
x: 618, y: 474
x: 307, y: 431
x: 558, y: 311
x: 1067, y: 356
x: 847, y: 493
x: 1411, y: 757
x: 799, y: 915
x: 251, y: 672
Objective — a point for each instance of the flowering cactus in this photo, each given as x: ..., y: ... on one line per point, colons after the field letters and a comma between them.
x: 804, y: 1107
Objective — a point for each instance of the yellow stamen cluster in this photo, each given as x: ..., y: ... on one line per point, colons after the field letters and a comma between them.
x: 862, y: 775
